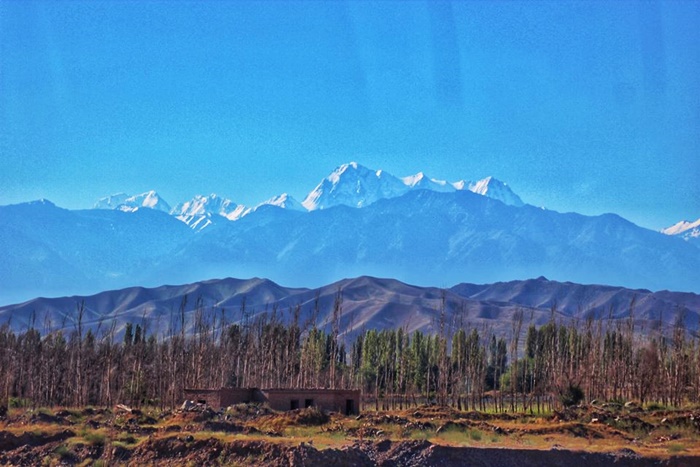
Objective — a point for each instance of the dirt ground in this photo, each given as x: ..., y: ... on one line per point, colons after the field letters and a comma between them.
x: 428, y: 435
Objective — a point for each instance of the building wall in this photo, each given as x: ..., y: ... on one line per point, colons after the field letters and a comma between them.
x: 218, y: 398
x: 231, y: 396
x: 327, y: 399
x: 335, y: 400
x: 211, y: 397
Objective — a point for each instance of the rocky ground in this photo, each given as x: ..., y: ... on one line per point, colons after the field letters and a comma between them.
x: 255, y: 435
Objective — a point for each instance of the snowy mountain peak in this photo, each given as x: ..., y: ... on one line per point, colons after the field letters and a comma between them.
x: 413, y: 180
x: 353, y: 185
x: 284, y: 201
x: 124, y: 202
x: 111, y: 201
x: 150, y: 199
x: 687, y: 230
x: 350, y: 184
x: 201, y: 211
x: 495, y: 189
x: 421, y: 182
x: 41, y: 202
x: 459, y: 185
x: 345, y: 168
x: 681, y: 227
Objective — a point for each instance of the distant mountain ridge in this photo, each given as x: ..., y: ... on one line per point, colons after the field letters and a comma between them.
x: 124, y: 202
x: 350, y: 184
x: 422, y: 237
x: 362, y: 222
x: 368, y: 303
x: 357, y: 186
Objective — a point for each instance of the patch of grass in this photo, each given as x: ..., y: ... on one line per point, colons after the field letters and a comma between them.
x: 63, y: 452
x: 93, y: 437
x: 421, y: 435
x: 127, y: 439
x: 328, y: 439
x: 45, y: 411
x: 74, y: 415
x: 676, y: 448
x: 453, y: 435
x: 474, y: 434
x: 16, y: 403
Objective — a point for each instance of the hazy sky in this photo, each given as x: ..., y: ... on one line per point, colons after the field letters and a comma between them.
x: 584, y: 106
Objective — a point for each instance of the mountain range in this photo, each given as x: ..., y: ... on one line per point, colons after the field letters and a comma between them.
x: 349, y: 185
x: 355, y: 222
x: 366, y: 303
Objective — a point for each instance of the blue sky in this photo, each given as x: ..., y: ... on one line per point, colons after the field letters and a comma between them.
x: 580, y: 106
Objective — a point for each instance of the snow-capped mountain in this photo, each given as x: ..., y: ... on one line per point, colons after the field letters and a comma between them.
x: 687, y: 230
x: 349, y: 185
x: 420, y: 182
x: 124, y: 202
x: 494, y: 189
x: 284, y: 201
x: 111, y: 201
x: 202, y: 211
x: 357, y: 186
x: 354, y: 185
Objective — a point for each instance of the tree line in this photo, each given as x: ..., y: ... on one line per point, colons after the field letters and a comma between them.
x: 533, y: 368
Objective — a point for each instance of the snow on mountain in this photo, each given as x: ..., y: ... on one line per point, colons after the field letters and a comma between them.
x: 353, y: 185
x: 111, y: 201
x: 126, y: 203
x: 199, y: 212
x: 284, y: 201
x: 494, y: 189
x: 202, y: 211
x: 350, y: 185
x: 357, y: 186
x: 688, y: 231
x: 420, y: 182
x: 682, y: 227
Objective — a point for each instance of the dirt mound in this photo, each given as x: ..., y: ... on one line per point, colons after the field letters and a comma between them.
x: 43, y: 417
x: 226, y: 427
x: 29, y: 448
x: 8, y: 441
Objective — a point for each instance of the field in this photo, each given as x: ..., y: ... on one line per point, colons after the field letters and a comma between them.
x: 427, y: 435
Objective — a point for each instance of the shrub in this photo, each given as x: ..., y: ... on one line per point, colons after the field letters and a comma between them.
x: 655, y: 406
x: 573, y: 395
x: 95, y: 438
x: 17, y: 402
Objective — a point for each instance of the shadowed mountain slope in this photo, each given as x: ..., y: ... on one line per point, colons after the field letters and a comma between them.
x: 366, y: 303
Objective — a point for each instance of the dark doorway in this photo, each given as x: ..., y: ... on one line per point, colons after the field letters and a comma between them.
x: 295, y: 404
x: 349, y: 406
x: 308, y: 402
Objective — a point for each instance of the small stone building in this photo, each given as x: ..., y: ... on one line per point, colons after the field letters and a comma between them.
x: 335, y: 400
